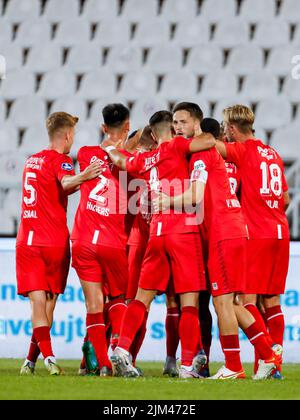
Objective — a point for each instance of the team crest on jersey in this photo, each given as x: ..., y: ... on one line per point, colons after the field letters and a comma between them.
x: 199, y: 165
x: 67, y: 167
x: 215, y: 286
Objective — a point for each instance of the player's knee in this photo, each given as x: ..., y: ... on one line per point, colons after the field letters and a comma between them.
x: 94, y: 306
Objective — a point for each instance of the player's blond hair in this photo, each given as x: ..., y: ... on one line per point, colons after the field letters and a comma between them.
x: 58, y: 121
x: 241, y: 116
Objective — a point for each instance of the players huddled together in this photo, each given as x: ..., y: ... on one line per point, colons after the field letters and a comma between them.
x: 186, y: 207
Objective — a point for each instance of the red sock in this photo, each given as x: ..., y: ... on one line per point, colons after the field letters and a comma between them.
x: 231, y: 349
x: 139, y: 339
x: 275, y: 321
x: 172, y: 331
x: 115, y: 311
x: 97, y: 335
x: 132, y: 321
x: 42, y: 336
x: 34, y: 350
x: 258, y: 340
x: 190, y: 336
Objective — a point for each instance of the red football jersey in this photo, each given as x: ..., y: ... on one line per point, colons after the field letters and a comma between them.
x: 223, y: 216
x: 100, y: 218
x: 234, y: 177
x: 263, y: 185
x: 44, y: 202
x: 166, y: 169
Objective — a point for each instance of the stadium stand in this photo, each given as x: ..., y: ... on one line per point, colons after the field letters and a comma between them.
x: 78, y: 55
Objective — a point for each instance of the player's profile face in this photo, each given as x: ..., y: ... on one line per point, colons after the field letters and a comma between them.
x: 184, y: 124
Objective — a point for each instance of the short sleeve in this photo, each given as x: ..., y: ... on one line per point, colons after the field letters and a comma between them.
x: 236, y: 153
x: 182, y: 146
x: 63, y: 166
x: 200, y: 165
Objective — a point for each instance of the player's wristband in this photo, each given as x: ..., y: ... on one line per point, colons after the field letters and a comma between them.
x: 201, y: 176
x: 110, y: 149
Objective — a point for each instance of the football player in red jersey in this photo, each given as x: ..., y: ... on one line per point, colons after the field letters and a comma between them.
x: 174, y: 247
x: 264, y: 199
x: 42, y: 253
x: 99, y: 237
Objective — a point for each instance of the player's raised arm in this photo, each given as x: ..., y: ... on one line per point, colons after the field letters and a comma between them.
x: 204, y: 141
x: 221, y: 147
x: 71, y: 184
x: 117, y: 157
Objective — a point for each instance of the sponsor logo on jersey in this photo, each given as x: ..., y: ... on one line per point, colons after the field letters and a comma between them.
x: 267, y: 153
x: 199, y: 165
x: 67, y: 167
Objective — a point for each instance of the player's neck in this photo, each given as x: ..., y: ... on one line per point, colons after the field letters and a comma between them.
x: 115, y: 139
x: 242, y: 138
x: 57, y: 146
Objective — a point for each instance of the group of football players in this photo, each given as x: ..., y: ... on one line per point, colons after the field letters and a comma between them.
x: 187, y: 207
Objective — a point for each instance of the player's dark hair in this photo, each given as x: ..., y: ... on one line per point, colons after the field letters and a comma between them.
x: 190, y: 107
x: 132, y: 134
x: 115, y: 115
x: 212, y: 126
x: 161, y: 117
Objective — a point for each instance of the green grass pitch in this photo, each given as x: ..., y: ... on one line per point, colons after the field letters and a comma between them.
x: 153, y: 386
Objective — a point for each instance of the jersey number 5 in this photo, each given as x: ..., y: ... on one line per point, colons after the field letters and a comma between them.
x: 271, y: 179
x: 29, y: 179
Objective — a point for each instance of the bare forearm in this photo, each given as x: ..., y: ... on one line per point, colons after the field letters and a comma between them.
x: 72, y: 184
x: 221, y: 149
x: 192, y: 196
x: 202, y: 142
x: 117, y: 157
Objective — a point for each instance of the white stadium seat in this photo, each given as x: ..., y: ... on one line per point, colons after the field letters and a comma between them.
x: 8, y: 137
x: 2, y: 111
x: 135, y: 11
x: 272, y: 33
x: 290, y: 11
x: 7, y: 225
x: 44, y: 58
x: 73, y: 32
x: 28, y: 111
x: 87, y: 134
x: 84, y: 58
x: 179, y: 84
x: 57, y: 84
x: 151, y: 33
x: 124, y: 58
x: 164, y: 58
x: 245, y: 60
x: 18, y: 11
x: 13, y: 55
x: 72, y: 105
x: 96, y: 110
x: 5, y: 31
x: 35, y: 139
x: 143, y: 110
x: 13, y: 203
x: 215, y: 11
x: 286, y: 141
x: 280, y: 60
x: 136, y: 85
x: 33, y: 32
x: 191, y: 33
x: 227, y: 102
x: 259, y: 86
x: 11, y: 168
x: 296, y: 40
x: 205, y: 58
x: 112, y: 33
x: 231, y: 33
x: 177, y: 10
x: 219, y: 85
x: 61, y: 10
x: 291, y: 88
x: 95, y: 10
x: 19, y: 83
x: 97, y: 84
x: 253, y: 11
x: 273, y: 113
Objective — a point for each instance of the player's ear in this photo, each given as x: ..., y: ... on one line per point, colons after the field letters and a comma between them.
x: 127, y: 126
x: 104, y: 128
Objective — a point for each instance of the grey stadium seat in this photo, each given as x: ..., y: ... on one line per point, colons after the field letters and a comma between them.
x: 73, y: 32
x: 273, y: 113
x: 84, y: 58
x: 179, y: 84
x: 177, y: 10
x: 112, y: 33
x: 5, y: 31
x: 151, y: 33
x: 286, y: 141
x: 18, y: 11
x: 296, y: 40
x: 231, y: 33
x: 227, y: 102
x: 164, y: 58
x: 73, y: 203
x: 11, y: 169
x: 57, y: 84
x: 291, y: 88
x: 8, y: 137
x: 272, y: 33
x: 136, y: 85
x: 13, y: 55
x: 204, y: 59
x: 72, y: 105
x: 95, y: 10
x: 33, y: 32
x: 124, y: 58
x: 7, y: 225
x: 245, y: 60
x: 13, y: 203
x: 253, y: 11
x: 28, y: 111
x: 2, y: 111
x: 44, y: 58
x: 96, y: 84
x: 135, y: 11
x: 87, y: 134
x: 35, y: 139
x: 19, y: 83
x: 61, y: 10
x: 280, y: 60
x: 191, y: 33
x: 143, y: 110
x: 290, y: 11
x: 260, y: 85
x: 214, y: 11
x: 219, y: 85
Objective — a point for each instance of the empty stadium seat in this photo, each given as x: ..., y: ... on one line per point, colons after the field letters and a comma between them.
x: 28, y: 111
x: 84, y: 58
x: 87, y: 134
x: 7, y: 225
x: 227, y: 102
x: 286, y: 141
x: 72, y: 105
x: 95, y: 10
x: 11, y: 169
x: 290, y: 11
x: 96, y: 84
x: 135, y: 11
x: 35, y: 139
x: 44, y: 58
x: 33, y: 32
x: 273, y: 113
x: 2, y: 111
x: 165, y: 58
x: 8, y: 137
x: 205, y: 58
x: 272, y: 33
x: 214, y: 11
x: 61, y: 10
x: 57, y: 84
x: 191, y: 33
x: 253, y: 11
x: 280, y: 60
x: 73, y: 32
x: 260, y: 85
x: 296, y: 40
x: 177, y: 10
x: 13, y: 55
x: 137, y: 85
x: 231, y: 33
x: 19, y: 83
x: 96, y: 110
x: 143, y: 110
x: 124, y: 58
x: 219, y: 85
x: 13, y: 203
x: 151, y: 33
x: 291, y: 88
x: 5, y: 31
x: 245, y: 60
x: 18, y: 11
x: 111, y: 33
x: 179, y: 84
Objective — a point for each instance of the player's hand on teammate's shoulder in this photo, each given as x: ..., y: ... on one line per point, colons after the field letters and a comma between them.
x: 92, y: 171
x: 206, y: 137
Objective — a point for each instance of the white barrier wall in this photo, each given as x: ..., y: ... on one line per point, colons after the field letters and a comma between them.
x: 69, y: 326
